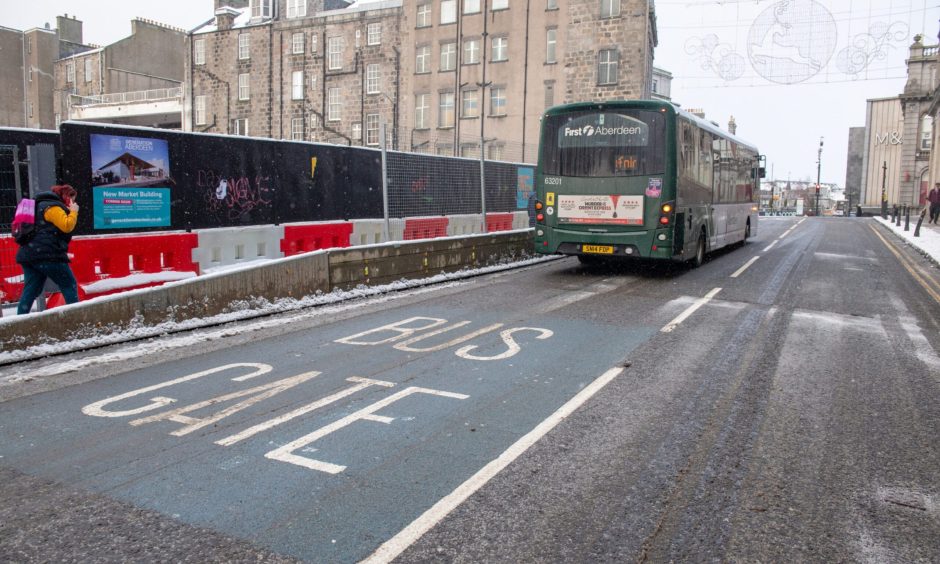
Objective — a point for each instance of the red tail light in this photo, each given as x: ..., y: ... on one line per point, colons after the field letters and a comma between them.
x: 539, y: 217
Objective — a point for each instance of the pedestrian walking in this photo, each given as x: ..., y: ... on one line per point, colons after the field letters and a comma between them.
x: 934, y: 199
x: 46, y: 254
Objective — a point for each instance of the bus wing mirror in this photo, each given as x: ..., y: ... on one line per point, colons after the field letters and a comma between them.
x: 761, y: 172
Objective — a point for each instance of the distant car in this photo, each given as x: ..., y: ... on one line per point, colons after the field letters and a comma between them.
x: 838, y: 212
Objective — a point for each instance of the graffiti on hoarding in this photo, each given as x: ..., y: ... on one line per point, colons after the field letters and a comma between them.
x: 236, y: 196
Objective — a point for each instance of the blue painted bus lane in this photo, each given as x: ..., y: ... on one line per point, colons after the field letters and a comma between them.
x: 336, y: 440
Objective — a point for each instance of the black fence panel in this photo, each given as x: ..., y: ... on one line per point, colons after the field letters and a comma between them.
x: 17, y: 141
x: 142, y: 179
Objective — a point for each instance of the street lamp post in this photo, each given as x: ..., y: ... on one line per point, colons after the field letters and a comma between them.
x: 818, y: 173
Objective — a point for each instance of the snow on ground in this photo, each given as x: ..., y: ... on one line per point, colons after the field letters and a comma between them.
x: 929, y: 241
x: 247, y: 309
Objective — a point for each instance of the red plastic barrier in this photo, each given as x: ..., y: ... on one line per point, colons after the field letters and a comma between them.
x: 498, y: 222
x: 425, y: 227
x: 11, y: 274
x: 305, y: 238
x: 119, y: 256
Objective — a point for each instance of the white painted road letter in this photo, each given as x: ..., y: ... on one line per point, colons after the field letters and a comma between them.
x: 286, y: 452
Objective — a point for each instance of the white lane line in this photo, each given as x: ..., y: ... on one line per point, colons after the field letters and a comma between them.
x: 394, y: 546
x: 689, y: 311
x: 743, y: 268
x: 768, y: 247
x: 785, y: 233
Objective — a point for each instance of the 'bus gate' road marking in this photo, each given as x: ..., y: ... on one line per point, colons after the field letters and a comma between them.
x: 743, y: 268
x: 394, y: 546
x: 691, y: 309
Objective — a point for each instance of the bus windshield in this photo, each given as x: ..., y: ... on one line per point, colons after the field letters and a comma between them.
x: 616, y: 142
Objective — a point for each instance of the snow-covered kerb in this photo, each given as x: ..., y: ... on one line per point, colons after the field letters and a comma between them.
x: 252, y: 291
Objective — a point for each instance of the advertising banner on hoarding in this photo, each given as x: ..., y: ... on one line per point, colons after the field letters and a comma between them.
x: 122, y: 208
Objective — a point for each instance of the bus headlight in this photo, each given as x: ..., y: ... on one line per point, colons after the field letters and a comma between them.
x: 661, y: 237
x: 540, y: 233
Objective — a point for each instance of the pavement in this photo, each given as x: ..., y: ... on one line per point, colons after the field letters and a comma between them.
x: 928, y: 242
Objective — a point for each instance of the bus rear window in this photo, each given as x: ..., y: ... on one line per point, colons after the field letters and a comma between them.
x: 610, y: 143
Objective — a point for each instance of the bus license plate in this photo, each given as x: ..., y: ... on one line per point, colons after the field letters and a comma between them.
x: 598, y: 249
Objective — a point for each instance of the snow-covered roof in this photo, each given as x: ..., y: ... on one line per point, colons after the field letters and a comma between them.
x: 243, y: 18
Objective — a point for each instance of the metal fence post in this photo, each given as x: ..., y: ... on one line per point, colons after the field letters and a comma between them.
x: 386, y: 231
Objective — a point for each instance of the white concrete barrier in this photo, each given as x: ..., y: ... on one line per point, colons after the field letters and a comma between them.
x: 229, y: 246
x: 370, y: 231
x: 464, y: 224
x: 520, y: 219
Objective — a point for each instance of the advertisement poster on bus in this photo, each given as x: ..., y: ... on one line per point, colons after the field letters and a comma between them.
x: 131, y: 182
x: 604, y: 209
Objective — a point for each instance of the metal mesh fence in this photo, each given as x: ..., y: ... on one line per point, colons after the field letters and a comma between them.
x: 435, y: 179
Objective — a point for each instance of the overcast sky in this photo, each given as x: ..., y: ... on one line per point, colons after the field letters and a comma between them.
x: 789, y: 71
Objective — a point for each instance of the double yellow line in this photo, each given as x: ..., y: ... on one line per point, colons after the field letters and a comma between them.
x: 929, y: 284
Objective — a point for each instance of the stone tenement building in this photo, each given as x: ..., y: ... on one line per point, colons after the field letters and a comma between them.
x: 98, y: 84
x: 27, y: 59
x: 440, y: 73
x: 295, y: 69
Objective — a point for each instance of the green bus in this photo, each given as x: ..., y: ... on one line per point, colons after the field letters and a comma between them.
x: 642, y: 179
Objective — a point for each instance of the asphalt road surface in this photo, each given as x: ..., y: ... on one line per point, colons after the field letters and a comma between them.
x: 780, y: 403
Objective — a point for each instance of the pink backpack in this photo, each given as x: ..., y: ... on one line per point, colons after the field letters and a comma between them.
x: 24, y: 221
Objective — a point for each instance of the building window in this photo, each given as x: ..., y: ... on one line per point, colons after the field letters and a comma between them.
x: 470, y: 150
x: 29, y: 74
x: 70, y: 72
x: 497, y: 101
x: 423, y: 59
x: 471, y: 51
x: 297, y: 129
x: 445, y: 115
x: 334, y: 105
x: 30, y: 109
x: 424, y: 16
x: 58, y: 120
x: 297, y: 43
x: 550, y: 43
x: 334, y: 46
x: 200, y: 110
x: 926, y: 133
x: 471, y: 6
x: 655, y: 86
x: 243, y: 87
x: 496, y: 152
x: 448, y: 56
x: 500, y: 49
x: 88, y: 67
x: 297, y: 85
x: 549, y: 94
x: 372, y: 79
x: 374, y: 34
x: 244, y: 46
x: 372, y: 129
x: 260, y: 8
x: 448, y: 12
x: 500, y: 5
x: 422, y: 109
x: 551, y: 4
x: 313, y: 42
x: 240, y: 126
x: 610, y: 8
x: 356, y: 131
x: 199, y: 52
x: 470, y: 104
x: 296, y: 8
x: 607, y: 61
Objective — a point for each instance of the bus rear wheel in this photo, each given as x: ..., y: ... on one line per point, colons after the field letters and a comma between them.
x: 699, y: 257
